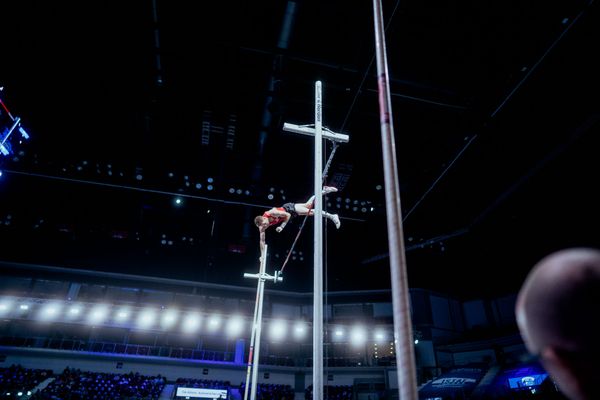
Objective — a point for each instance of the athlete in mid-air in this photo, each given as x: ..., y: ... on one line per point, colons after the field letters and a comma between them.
x: 282, y: 215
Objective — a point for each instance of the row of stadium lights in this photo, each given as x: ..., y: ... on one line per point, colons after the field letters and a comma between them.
x: 348, y: 204
x: 354, y: 205
x: 340, y: 203
x: 139, y: 176
x: 189, y: 322
x: 20, y: 394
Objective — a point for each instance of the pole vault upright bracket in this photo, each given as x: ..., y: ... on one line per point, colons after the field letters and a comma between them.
x: 310, y: 131
x: 265, y: 277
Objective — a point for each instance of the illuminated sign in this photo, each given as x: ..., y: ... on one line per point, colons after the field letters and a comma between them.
x: 201, y: 393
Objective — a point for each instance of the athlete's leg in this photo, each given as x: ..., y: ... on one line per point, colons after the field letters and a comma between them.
x: 326, y: 190
x: 334, y: 218
x: 301, y: 209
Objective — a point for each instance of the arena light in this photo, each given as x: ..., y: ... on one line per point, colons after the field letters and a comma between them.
x: 123, y: 314
x: 300, y: 330
x: 214, y: 322
x: 380, y: 336
x: 146, y: 318
x: 278, y: 329
x: 169, y: 318
x: 5, y: 306
x: 75, y: 311
x: 191, y: 322
x: 98, y: 314
x: 358, y: 335
x: 235, y: 326
x: 23, y: 309
x: 338, y: 333
x: 50, y: 311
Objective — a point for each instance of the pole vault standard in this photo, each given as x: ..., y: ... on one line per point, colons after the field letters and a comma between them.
x: 254, y: 351
x: 405, y: 357
x: 319, y: 134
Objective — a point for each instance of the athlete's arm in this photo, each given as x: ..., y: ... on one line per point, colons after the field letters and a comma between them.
x: 286, y: 219
x: 262, y: 242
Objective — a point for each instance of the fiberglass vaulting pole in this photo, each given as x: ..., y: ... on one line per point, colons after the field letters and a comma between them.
x: 403, y: 338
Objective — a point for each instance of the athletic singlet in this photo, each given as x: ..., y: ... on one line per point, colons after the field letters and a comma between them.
x: 272, y: 219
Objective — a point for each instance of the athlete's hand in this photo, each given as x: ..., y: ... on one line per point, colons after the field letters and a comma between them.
x: 279, y: 229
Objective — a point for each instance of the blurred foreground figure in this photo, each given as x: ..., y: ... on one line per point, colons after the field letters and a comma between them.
x: 558, y: 315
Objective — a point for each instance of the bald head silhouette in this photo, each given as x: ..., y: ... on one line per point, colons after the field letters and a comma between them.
x: 558, y: 314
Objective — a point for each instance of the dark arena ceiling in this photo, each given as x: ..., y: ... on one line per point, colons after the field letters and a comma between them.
x: 131, y: 104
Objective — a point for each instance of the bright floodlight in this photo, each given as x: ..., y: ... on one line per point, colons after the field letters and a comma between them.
x: 191, y: 322
x: 98, y: 314
x: 380, y: 336
x: 123, y: 314
x: 5, y: 306
x: 74, y: 311
x: 278, y: 329
x: 169, y: 319
x: 235, y: 326
x: 50, y: 311
x: 300, y: 330
x: 214, y: 322
x: 338, y: 333
x: 146, y: 318
x: 358, y: 335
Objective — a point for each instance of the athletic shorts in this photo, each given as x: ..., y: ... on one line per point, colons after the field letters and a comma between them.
x: 291, y: 208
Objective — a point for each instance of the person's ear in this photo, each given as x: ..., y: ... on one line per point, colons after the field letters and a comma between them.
x: 562, y: 369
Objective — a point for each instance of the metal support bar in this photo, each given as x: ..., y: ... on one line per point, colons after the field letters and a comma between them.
x: 305, y: 130
x: 318, y: 256
x: 274, y: 278
x: 319, y: 133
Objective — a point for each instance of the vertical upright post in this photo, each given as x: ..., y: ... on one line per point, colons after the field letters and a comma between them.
x: 254, y: 352
x: 318, y: 256
x: 318, y: 133
x: 258, y: 323
x: 405, y: 357
x: 253, y: 336
x: 261, y: 291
